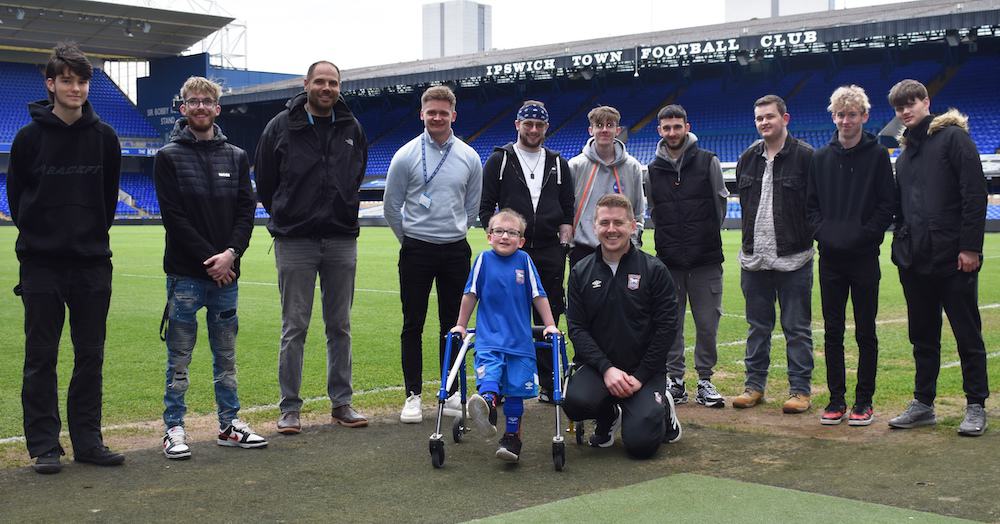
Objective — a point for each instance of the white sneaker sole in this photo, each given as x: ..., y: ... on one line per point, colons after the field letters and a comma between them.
x: 178, y: 455
x: 479, y: 415
x: 719, y: 403
x: 832, y: 421
x: 506, y: 456
x: 245, y: 445
x: 411, y: 419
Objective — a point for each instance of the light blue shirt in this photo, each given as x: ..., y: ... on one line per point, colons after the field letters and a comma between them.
x: 443, y: 210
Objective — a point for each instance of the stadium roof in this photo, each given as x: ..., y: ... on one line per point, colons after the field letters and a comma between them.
x: 794, y: 33
x: 107, y: 30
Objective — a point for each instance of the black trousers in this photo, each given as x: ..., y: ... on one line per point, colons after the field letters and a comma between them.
x: 958, y: 295
x: 46, y: 293
x: 642, y: 413
x: 551, y: 265
x: 420, y: 265
x: 859, y: 278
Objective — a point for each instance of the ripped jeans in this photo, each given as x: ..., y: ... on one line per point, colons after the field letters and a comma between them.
x: 185, y: 296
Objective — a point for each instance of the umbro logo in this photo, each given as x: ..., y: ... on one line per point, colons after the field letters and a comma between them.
x: 350, y: 141
x: 596, y: 284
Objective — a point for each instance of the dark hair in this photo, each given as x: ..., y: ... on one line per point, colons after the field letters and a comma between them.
x: 771, y: 99
x: 906, y: 91
x: 672, y: 111
x: 67, y: 56
x: 312, y: 67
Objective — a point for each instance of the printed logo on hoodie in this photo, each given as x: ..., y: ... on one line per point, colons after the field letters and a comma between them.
x: 47, y: 170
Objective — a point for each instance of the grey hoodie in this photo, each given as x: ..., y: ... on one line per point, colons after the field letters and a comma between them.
x: 714, y: 176
x: 630, y: 176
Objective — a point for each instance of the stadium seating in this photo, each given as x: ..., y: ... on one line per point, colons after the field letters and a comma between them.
x: 21, y: 84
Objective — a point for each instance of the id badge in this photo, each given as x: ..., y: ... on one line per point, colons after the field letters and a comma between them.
x: 425, y: 200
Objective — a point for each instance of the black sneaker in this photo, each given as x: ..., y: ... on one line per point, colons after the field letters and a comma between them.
x: 510, y: 447
x: 48, y: 463
x: 676, y: 389
x: 483, y: 414
x: 100, y: 456
x: 604, y: 431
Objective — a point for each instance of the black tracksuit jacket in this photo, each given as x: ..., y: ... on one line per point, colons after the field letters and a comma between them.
x: 627, y: 320
x: 504, y: 186
x: 206, y: 200
x: 850, y: 197
x: 62, y: 186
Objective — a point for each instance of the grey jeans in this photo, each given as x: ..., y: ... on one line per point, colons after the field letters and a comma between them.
x: 702, y: 287
x: 793, y: 292
x: 298, y: 261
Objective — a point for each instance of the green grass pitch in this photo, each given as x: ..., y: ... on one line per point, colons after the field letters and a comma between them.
x: 135, y: 357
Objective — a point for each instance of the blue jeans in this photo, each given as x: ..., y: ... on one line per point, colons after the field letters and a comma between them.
x: 185, y: 296
x: 793, y: 291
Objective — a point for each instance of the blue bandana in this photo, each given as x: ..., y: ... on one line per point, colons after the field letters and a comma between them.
x: 533, y: 112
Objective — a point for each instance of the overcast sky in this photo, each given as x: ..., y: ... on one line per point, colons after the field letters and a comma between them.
x: 287, y: 36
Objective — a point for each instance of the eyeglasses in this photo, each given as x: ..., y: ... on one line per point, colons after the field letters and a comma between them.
x: 499, y: 231
x: 196, y: 102
x: 608, y: 125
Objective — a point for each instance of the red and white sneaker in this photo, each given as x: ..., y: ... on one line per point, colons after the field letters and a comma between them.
x: 175, y: 444
x: 239, y: 435
x: 861, y: 415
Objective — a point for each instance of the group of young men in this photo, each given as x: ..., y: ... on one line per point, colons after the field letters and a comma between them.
x: 625, y: 308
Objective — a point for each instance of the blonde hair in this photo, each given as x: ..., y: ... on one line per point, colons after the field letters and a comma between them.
x: 509, y: 214
x: 604, y: 115
x: 200, y: 84
x: 438, y: 93
x: 849, y: 96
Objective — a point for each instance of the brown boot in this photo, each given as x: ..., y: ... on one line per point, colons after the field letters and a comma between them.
x: 797, y: 403
x: 748, y: 399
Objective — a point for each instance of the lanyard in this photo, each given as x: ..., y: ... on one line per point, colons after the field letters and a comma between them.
x: 586, y: 192
x: 423, y: 160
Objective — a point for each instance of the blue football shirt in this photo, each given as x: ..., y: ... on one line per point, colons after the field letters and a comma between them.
x: 505, y: 288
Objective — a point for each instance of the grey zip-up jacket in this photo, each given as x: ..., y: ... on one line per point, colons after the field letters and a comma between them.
x: 630, y: 184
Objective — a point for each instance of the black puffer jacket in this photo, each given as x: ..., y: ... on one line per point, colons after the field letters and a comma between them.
x: 206, y: 200
x: 308, y: 186
x: 851, y: 196
x: 62, y: 187
x: 504, y: 186
x: 941, y: 196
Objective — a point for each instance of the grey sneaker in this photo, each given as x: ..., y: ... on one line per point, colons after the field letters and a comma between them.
x: 917, y: 414
x: 708, y: 396
x: 974, y: 423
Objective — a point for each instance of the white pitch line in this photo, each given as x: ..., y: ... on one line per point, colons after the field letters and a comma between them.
x: 252, y: 409
x: 269, y: 284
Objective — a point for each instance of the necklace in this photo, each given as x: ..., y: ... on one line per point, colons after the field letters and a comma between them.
x: 538, y: 158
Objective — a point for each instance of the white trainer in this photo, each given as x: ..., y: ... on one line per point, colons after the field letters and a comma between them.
x: 411, y: 413
x: 239, y: 435
x: 174, y: 444
x: 453, y: 406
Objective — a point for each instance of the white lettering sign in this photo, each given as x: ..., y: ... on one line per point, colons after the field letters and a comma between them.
x: 544, y: 64
x: 610, y: 57
x: 785, y: 39
x: 690, y: 48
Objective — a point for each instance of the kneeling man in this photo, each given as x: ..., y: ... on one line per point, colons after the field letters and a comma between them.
x: 622, y: 316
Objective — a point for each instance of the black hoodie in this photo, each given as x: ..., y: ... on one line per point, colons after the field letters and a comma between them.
x: 850, y: 197
x: 308, y: 185
x: 206, y: 200
x: 504, y: 186
x: 62, y: 186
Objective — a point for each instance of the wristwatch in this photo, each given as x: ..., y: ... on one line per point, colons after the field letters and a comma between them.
x: 235, y: 253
